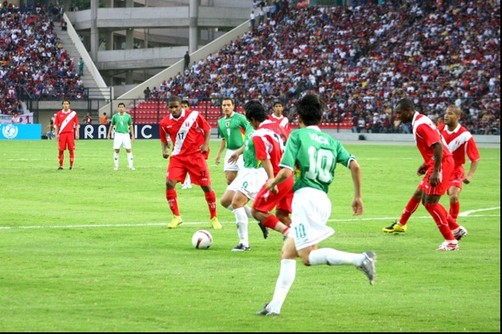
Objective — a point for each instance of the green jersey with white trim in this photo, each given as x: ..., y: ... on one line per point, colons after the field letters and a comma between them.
x: 121, y: 122
x: 313, y: 155
x: 234, y: 129
x: 249, y: 154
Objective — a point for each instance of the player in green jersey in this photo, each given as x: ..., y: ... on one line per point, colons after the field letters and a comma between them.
x: 124, y: 134
x: 313, y: 154
x: 244, y: 187
x: 232, y: 129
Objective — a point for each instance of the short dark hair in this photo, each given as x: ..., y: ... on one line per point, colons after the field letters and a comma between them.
x: 185, y: 101
x: 255, y: 111
x: 405, y: 104
x: 174, y: 98
x: 277, y: 102
x: 310, y: 109
x: 121, y: 103
x: 228, y: 99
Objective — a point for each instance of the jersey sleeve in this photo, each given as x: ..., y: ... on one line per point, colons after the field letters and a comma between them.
x: 289, y: 157
x: 472, y: 150
x: 343, y: 156
x: 203, y: 123
x: 430, y: 135
x: 260, y: 149
x: 162, y: 133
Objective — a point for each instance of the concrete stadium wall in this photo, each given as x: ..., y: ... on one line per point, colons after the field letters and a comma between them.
x: 382, y: 138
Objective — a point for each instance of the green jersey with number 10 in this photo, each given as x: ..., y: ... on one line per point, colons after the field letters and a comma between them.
x: 313, y: 155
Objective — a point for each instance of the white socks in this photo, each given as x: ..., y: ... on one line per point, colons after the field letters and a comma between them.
x: 286, y: 278
x: 116, y: 159
x: 129, y: 159
x: 248, y: 211
x: 242, y: 225
x: 334, y: 257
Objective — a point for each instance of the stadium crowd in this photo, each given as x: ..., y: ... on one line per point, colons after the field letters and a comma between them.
x: 361, y: 60
x: 32, y: 59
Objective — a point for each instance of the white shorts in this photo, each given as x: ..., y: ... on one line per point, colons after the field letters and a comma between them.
x: 122, y: 139
x: 236, y: 166
x: 311, y: 211
x: 249, y: 182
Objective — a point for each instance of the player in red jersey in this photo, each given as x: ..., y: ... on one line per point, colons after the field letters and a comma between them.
x: 277, y: 117
x: 66, y: 128
x: 460, y: 142
x: 190, y: 134
x: 268, y: 140
x: 437, y: 169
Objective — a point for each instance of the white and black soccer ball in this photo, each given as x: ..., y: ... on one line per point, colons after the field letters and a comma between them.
x: 202, y: 239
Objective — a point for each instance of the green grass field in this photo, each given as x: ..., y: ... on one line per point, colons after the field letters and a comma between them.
x: 88, y: 250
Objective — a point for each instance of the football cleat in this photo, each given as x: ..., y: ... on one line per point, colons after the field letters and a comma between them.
x: 264, y: 311
x: 460, y: 233
x: 448, y: 246
x: 175, y: 222
x: 394, y: 227
x: 368, y: 266
x: 215, y: 223
x: 263, y: 229
x: 241, y: 248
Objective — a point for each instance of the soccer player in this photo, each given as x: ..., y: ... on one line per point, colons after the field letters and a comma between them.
x: 67, y: 129
x: 314, y: 155
x: 278, y: 117
x: 232, y: 128
x: 244, y: 187
x: 124, y: 135
x: 268, y: 141
x: 460, y: 142
x: 190, y: 134
x: 185, y: 105
x: 437, y: 170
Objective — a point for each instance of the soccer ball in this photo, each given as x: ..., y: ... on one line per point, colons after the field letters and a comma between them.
x: 202, y: 239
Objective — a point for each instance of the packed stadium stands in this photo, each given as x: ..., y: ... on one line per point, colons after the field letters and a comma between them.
x: 33, y: 63
x: 361, y: 60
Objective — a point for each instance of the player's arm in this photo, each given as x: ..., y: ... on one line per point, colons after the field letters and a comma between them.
x: 468, y: 177
x: 235, y: 156
x: 131, y: 128
x: 357, y: 202
x: 165, y: 149
x: 438, y: 158
x: 77, y: 131
x: 473, y: 155
x: 110, y: 129
x: 422, y: 169
x: 207, y: 136
x: 282, y: 176
x: 220, y: 150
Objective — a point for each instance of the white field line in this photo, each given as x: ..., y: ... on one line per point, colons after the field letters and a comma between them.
x: 34, y: 227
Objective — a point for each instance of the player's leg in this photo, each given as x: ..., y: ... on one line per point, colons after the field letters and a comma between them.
x: 409, y: 209
x: 126, y: 142
x: 176, y: 172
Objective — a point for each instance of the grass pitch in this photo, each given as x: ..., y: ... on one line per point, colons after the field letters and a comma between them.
x: 88, y: 250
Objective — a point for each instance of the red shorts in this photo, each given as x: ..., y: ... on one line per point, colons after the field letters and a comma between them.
x: 66, y: 141
x: 266, y: 201
x: 457, y: 177
x: 444, y: 179
x: 193, y: 165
